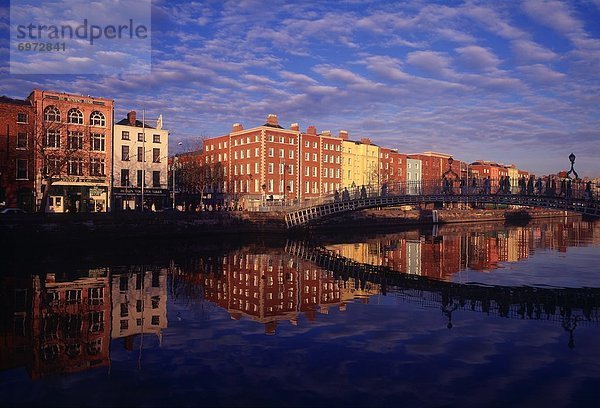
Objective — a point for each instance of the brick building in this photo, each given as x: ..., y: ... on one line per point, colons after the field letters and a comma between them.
x: 17, y: 173
x: 271, y: 163
x: 72, y: 147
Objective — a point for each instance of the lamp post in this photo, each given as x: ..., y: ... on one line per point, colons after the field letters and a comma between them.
x: 173, y: 168
x: 572, y: 160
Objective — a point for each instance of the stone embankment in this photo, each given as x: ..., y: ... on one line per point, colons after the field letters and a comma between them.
x: 51, y: 228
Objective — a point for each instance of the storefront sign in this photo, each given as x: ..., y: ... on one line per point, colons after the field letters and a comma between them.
x: 96, y: 192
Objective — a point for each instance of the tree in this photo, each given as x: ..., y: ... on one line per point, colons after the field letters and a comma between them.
x: 197, y: 177
x: 54, y: 147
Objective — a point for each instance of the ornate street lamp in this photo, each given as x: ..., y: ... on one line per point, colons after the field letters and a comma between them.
x: 572, y: 160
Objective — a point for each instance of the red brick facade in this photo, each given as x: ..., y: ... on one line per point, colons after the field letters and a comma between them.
x: 17, y: 170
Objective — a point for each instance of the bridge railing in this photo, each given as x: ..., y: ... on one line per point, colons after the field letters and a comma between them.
x: 573, y: 189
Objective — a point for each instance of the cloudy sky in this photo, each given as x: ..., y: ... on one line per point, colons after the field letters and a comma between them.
x: 510, y: 81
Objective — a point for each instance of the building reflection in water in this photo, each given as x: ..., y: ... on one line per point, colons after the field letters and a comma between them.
x: 54, y: 325
x: 456, y: 247
x: 51, y: 323
x: 273, y: 287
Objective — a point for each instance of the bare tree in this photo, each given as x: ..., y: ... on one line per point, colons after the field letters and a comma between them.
x: 54, y: 148
x: 197, y: 177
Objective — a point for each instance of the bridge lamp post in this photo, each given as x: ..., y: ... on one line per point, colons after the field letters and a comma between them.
x: 572, y: 160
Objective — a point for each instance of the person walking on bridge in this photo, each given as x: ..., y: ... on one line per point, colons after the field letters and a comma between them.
x: 363, y: 192
x: 345, y: 194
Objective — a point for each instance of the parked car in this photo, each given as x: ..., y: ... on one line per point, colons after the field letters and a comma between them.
x: 170, y: 210
x: 12, y: 211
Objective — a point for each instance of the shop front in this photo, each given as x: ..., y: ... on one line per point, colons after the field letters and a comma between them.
x: 130, y: 198
x: 77, y: 197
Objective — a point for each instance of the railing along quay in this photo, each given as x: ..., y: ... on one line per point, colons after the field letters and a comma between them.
x: 576, y: 199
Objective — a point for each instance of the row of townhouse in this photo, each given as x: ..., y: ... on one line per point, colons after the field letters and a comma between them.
x: 64, y: 153
x: 290, y: 164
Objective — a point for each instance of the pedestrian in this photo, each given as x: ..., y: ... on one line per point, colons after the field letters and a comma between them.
x: 487, y: 186
x: 345, y: 194
x: 539, y: 185
x: 569, y: 189
x: 336, y: 196
x: 501, y: 185
x: 563, y: 188
x: 363, y: 192
x: 530, y: 185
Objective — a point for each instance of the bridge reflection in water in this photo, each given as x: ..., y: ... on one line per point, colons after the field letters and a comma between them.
x: 53, y: 324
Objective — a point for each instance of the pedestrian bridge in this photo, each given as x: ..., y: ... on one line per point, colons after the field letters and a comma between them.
x: 566, y: 306
x: 360, y: 198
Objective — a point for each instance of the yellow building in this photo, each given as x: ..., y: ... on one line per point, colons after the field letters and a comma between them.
x: 360, y: 163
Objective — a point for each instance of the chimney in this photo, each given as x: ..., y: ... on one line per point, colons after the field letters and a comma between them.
x: 272, y: 120
x: 326, y: 133
x: 131, y: 118
x: 237, y: 127
x: 344, y: 134
x: 365, y: 140
x: 295, y: 126
x: 311, y: 130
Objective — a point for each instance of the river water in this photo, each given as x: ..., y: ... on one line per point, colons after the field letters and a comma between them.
x: 461, y: 315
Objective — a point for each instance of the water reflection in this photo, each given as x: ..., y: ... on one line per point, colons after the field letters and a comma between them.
x: 66, y: 322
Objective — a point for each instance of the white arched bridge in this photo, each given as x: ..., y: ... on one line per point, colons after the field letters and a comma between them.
x: 566, y: 195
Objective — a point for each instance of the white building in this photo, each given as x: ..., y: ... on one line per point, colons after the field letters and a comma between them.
x: 140, y: 158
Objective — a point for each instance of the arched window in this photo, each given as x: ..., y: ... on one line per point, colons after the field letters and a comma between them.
x: 52, y: 114
x: 75, y: 116
x: 97, y: 119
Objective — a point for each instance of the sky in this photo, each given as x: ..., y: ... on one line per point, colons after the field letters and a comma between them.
x: 516, y: 82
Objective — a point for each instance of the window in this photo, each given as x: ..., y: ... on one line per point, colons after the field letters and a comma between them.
x: 96, y: 321
x: 97, y: 167
x: 138, y: 306
x: 139, y: 178
x: 21, y: 140
x: 73, y: 296
x: 125, y: 153
x: 124, y: 324
x: 155, y: 279
x: 97, y: 119
x: 270, y: 168
x: 271, y: 138
x: 97, y: 142
x: 155, y: 301
x: 281, y: 154
x: 124, y: 177
x: 22, y: 173
x: 124, y: 310
x: 141, y: 137
x: 125, y: 135
x: 75, y: 116
x: 314, y: 157
x: 21, y: 118
x: 51, y: 114
x: 140, y: 154
x: 306, y: 156
x: 156, y: 179
x: 52, y: 139
x: 155, y: 155
x: 155, y: 320
x: 256, y: 152
x: 156, y: 139
x: 52, y: 166
x: 271, y: 152
x: 307, y: 144
x: 123, y: 283
x: 74, y: 140
x: 75, y: 166
x: 315, y: 145
x: 96, y: 296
